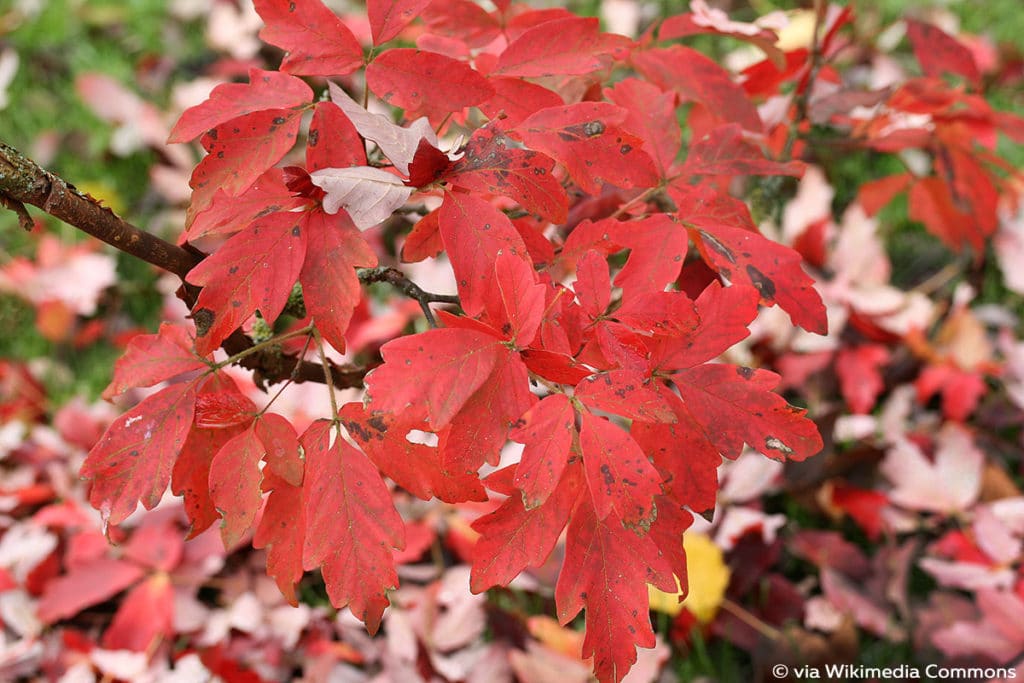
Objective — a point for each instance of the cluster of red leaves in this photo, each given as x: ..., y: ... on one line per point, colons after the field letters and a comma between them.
x: 597, y: 362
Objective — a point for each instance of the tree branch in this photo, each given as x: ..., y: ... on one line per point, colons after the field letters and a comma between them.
x: 399, y: 281
x: 22, y: 182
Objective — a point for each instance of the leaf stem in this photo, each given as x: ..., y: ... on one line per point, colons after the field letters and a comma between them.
x: 260, y: 346
x: 327, y: 372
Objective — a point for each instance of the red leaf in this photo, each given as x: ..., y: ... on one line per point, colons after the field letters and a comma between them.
x: 430, y: 376
x: 223, y: 407
x: 625, y: 393
x: 875, y: 194
x: 733, y: 405
x: 724, y: 314
x: 493, y: 165
x: 235, y: 479
x: 593, y: 285
x: 317, y: 41
x: 859, y: 376
x: 586, y: 138
x: 683, y: 454
x: 474, y: 233
x: 389, y: 17
x: 145, y: 615
x: 547, y: 432
x: 239, y: 152
x: 281, y: 442
x: 255, y: 269
x: 282, y: 532
x: 480, y: 430
x: 939, y: 52
x: 157, y: 545
x: 667, y: 313
x: 724, y: 151
x: 563, y: 47
x: 153, y: 358
x: 351, y: 525
x: 190, y: 477
x: 746, y: 257
x: 513, y: 537
x: 698, y: 78
x: 424, y: 240
x: 932, y: 203
x: 619, y: 475
x: 463, y: 20
x: 265, y: 90
x: 425, y: 82
x: 85, y: 586
x: 428, y: 165
x: 652, y: 115
x: 607, y: 568
x: 657, y: 246
x: 517, y: 99
x: 333, y: 141
x: 414, y: 466
x: 269, y: 194
x: 133, y: 460
x: 519, y: 306
x: 330, y: 286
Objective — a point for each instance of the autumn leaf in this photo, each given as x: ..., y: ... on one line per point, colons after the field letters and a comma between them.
x: 369, y: 195
x: 389, y: 17
x: 235, y: 284
x: 132, y: 462
x: 265, y: 90
x: 619, y: 475
x: 333, y: 141
x: 153, y: 358
x: 282, y: 532
x: 317, y: 41
x: 430, y: 376
x: 547, y: 431
x: 606, y: 570
x: 235, y: 479
x: 351, y: 525
x: 398, y: 77
x: 569, y: 46
x: 85, y: 586
x: 587, y: 139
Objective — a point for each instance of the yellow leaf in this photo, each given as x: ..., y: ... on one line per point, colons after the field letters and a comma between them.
x: 708, y: 578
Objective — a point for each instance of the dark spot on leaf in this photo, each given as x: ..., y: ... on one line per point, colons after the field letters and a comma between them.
x: 203, y: 319
x: 296, y: 231
x: 761, y: 281
x: 626, y: 149
x: 606, y: 472
x: 745, y: 372
x: 710, y: 241
x: 314, y: 137
x: 377, y: 422
x: 278, y: 120
x: 592, y: 128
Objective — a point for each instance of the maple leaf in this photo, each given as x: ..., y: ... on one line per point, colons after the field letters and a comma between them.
x: 625, y: 392
x: 430, y: 376
x: 235, y: 284
x: 317, y: 41
x: 132, y: 462
x: 226, y: 214
x: 265, y: 90
x: 415, y: 467
x: 333, y: 141
x: 938, y: 52
x: 587, y: 139
x: 351, y: 525
x: 735, y: 405
x: 723, y: 150
x: 84, y: 586
x: 235, y: 479
x: 566, y: 46
x: 389, y: 17
x: 514, y: 537
x: 145, y: 615
x: 153, y: 358
x: 493, y: 165
x: 859, y: 378
x: 619, y: 475
x: 516, y: 99
x: 240, y: 151
x: 398, y: 144
x: 369, y: 195
x: 474, y: 233
x: 698, y: 78
x: 398, y: 75
x: 652, y: 115
x: 547, y: 431
x: 607, y: 568
x: 282, y: 532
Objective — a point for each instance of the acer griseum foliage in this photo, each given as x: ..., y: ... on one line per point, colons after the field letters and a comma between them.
x: 602, y: 265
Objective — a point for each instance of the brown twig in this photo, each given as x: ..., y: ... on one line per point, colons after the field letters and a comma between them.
x: 22, y: 182
x: 399, y: 281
